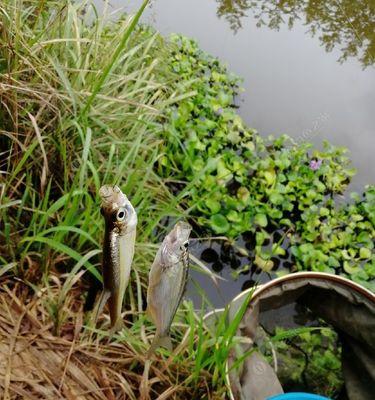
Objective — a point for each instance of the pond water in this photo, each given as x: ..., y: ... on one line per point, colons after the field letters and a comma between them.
x: 291, y: 84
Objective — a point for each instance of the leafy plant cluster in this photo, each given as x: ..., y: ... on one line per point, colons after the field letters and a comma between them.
x: 309, y: 360
x: 239, y: 182
x: 340, y: 239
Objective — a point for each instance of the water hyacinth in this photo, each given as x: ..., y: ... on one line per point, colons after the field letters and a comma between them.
x: 315, y: 164
x: 242, y: 182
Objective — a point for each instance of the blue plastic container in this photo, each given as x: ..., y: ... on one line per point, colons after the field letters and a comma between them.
x: 297, y: 396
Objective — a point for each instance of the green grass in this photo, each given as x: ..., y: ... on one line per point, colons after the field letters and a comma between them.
x: 83, y: 102
x: 80, y: 103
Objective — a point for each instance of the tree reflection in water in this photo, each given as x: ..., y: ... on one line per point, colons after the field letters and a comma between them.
x: 347, y: 25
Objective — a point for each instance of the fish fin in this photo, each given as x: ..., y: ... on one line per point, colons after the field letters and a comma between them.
x: 151, y: 313
x: 160, y: 341
x: 104, y: 296
x: 165, y: 341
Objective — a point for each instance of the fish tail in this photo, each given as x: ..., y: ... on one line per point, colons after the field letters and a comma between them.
x: 117, y: 326
x: 160, y: 341
x: 104, y: 296
x: 166, y: 342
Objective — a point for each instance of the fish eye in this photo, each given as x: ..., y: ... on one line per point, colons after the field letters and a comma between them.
x: 121, y: 214
x: 185, y: 244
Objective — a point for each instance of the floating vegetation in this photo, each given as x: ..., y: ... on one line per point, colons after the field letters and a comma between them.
x: 237, y: 182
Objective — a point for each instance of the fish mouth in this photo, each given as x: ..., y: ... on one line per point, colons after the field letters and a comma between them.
x: 112, y: 197
x: 183, y: 230
x: 183, y: 225
x: 114, y: 202
x: 178, y: 236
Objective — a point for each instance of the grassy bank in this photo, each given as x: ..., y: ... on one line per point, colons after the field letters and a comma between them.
x: 83, y: 103
x: 86, y: 101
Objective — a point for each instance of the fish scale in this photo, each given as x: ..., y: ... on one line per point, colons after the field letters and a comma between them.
x: 118, y: 249
x: 167, y: 282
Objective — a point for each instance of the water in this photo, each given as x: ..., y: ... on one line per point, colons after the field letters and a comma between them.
x: 291, y: 83
x: 235, y: 264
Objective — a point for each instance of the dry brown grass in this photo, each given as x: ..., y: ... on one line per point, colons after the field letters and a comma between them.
x: 36, y: 364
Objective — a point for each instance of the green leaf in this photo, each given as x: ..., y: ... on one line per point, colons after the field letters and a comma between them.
x: 276, y: 198
x: 306, y: 248
x: 234, y: 216
x: 333, y: 262
x: 219, y: 223
x: 213, y: 205
x: 223, y: 173
x: 356, y: 217
x: 114, y: 56
x: 364, y: 253
x: 63, y: 228
x: 62, y: 248
x: 277, y: 250
x: 350, y: 269
x: 270, y: 177
x: 243, y: 194
x: 264, y: 265
x: 261, y: 220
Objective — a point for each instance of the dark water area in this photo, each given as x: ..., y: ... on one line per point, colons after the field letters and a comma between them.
x: 308, y: 71
x: 235, y: 264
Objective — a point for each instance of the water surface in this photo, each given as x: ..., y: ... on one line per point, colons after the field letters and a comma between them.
x: 292, y: 84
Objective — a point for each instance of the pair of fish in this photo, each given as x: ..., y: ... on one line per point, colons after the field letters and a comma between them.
x: 168, y: 274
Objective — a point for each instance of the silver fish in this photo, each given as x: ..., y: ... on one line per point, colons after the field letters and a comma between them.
x: 167, y: 282
x: 118, y: 250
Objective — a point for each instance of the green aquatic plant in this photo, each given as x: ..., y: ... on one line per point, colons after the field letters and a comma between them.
x: 236, y: 181
x: 310, y: 358
x: 341, y: 238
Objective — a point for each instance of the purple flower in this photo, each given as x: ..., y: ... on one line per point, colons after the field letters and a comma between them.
x: 219, y: 111
x: 315, y: 164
